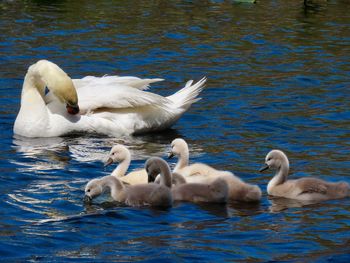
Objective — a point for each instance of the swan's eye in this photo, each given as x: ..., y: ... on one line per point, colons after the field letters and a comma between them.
x: 88, y: 190
x: 269, y: 159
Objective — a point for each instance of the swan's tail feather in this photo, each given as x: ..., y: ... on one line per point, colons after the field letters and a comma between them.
x: 144, y: 84
x: 188, y: 94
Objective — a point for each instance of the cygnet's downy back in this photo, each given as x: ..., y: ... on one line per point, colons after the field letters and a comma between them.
x: 215, y: 192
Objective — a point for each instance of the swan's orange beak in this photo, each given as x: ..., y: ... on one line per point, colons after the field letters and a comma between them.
x: 72, y: 109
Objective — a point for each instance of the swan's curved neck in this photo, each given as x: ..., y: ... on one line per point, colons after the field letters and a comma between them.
x: 280, y: 176
x: 33, y: 92
x: 33, y: 111
x: 165, y: 174
x: 32, y: 81
x: 116, y: 187
x: 122, y: 167
x: 183, y: 159
x: 178, y: 179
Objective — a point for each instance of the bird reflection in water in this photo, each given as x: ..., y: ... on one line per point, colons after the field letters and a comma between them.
x: 279, y: 204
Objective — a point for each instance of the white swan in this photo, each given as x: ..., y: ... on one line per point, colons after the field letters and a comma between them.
x: 108, y: 105
x: 205, y: 174
x: 307, y: 188
x: 119, y: 153
x: 150, y: 194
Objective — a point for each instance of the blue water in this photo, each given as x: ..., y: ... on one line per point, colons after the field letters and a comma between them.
x: 278, y: 77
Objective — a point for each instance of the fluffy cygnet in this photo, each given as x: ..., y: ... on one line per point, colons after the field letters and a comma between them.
x: 194, y: 173
x: 98, y: 186
x: 120, y: 154
x: 135, y: 195
x: 311, y: 189
x: 202, y: 173
x: 215, y: 192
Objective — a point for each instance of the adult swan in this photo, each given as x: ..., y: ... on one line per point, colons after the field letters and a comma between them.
x: 52, y: 104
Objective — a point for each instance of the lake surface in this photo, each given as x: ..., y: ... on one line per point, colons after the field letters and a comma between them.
x: 278, y: 78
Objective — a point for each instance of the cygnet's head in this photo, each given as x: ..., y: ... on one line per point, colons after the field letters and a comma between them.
x: 275, y: 159
x: 118, y: 154
x: 93, y: 189
x: 153, y: 168
x: 178, y: 146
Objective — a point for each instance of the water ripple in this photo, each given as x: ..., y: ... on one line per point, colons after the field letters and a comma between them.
x: 277, y: 78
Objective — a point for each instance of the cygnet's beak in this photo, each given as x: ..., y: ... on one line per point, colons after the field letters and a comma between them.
x: 264, y: 168
x: 72, y: 109
x: 87, y: 199
x: 150, y: 177
x: 171, y: 155
x: 109, y: 162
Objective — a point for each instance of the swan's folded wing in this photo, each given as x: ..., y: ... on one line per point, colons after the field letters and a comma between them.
x: 114, y: 81
x: 312, y: 185
x: 111, y: 97
x: 135, y: 177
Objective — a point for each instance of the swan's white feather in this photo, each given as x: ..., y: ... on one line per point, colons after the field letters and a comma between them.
x: 134, y: 82
x: 109, y: 105
x: 94, y: 96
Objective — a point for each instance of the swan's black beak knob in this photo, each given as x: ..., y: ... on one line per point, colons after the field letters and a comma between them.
x: 171, y: 155
x: 72, y: 109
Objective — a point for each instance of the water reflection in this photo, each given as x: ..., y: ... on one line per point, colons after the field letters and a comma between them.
x: 279, y: 204
x: 314, y: 5
x: 57, y: 152
x: 45, y: 197
x: 217, y: 210
x: 43, y: 153
x: 57, y: 182
x: 277, y: 78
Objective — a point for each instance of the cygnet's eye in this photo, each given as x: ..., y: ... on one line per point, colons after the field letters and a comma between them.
x: 88, y: 190
x: 269, y: 159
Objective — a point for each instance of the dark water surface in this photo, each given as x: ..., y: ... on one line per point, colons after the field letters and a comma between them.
x: 278, y: 77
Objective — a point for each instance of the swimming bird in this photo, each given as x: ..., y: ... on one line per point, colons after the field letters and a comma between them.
x: 53, y: 104
x: 205, y: 174
x: 150, y: 194
x: 215, y: 192
x: 193, y: 173
x: 119, y: 153
x: 306, y: 188
x: 98, y: 186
